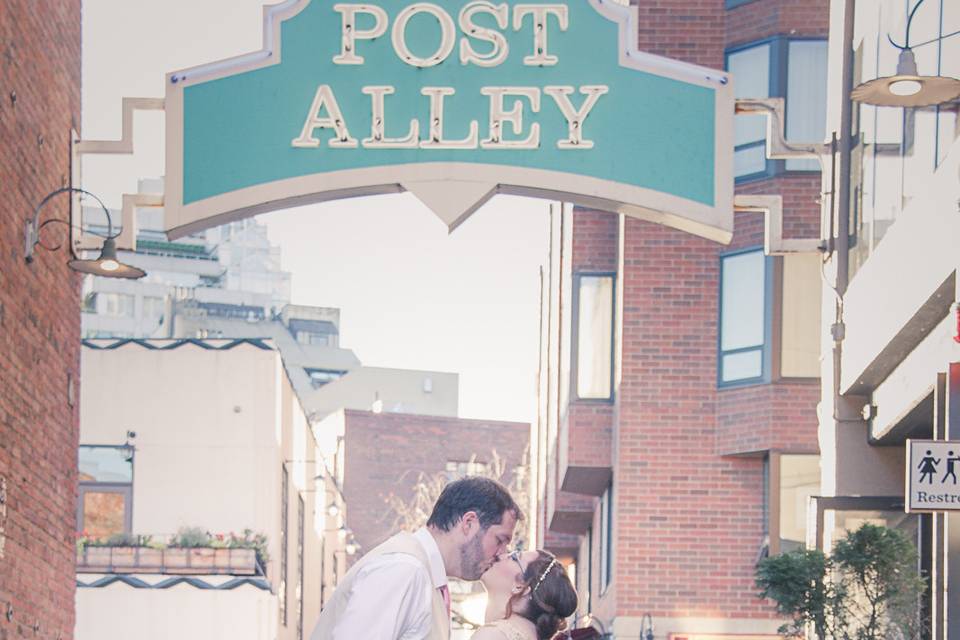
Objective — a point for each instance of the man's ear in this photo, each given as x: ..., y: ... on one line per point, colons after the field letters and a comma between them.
x: 469, y: 523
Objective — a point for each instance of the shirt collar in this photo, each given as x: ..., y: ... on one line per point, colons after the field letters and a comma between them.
x: 438, y: 571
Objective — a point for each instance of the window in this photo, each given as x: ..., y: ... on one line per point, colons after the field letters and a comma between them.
x: 593, y: 358
x: 457, y: 470
x: 790, y: 480
x: 744, y: 317
x: 769, y: 317
x: 320, y: 377
x: 152, y: 307
x: 606, y: 539
x: 284, y: 532
x: 751, y: 70
x: 799, y: 348
x: 105, y: 505
x: 806, y: 99
x: 115, y: 304
x: 793, y: 69
x: 313, y: 339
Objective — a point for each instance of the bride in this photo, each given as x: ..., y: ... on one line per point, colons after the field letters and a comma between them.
x: 529, y: 597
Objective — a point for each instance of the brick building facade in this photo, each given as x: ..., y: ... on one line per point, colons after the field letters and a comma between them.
x: 385, y: 453
x: 39, y: 323
x: 665, y: 484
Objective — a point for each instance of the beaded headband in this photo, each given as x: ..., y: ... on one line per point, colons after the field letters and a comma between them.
x: 543, y: 575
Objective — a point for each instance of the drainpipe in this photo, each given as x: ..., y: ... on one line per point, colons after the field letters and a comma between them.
x: 842, y: 244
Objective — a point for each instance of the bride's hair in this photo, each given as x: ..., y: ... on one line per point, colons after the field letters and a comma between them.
x: 552, y: 596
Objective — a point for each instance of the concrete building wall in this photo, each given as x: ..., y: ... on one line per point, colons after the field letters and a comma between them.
x: 216, y: 431
x: 183, y: 611
x: 39, y: 321
x: 397, y: 391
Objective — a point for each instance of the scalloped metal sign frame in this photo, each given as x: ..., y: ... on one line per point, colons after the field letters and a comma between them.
x: 454, y: 102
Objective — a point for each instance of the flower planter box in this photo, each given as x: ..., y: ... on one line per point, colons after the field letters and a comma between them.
x: 177, y: 560
x: 198, y: 561
x: 202, y: 559
x: 123, y: 559
x: 96, y: 558
x: 149, y: 560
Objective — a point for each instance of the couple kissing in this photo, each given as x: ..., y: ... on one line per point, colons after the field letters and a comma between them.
x: 399, y: 590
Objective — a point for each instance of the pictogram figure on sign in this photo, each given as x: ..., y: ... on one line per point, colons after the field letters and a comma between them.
x: 951, y: 472
x: 928, y: 467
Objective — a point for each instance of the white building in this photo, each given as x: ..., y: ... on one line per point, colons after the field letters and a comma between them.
x: 211, y: 435
x: 889, y: 322
x: 233, y: 264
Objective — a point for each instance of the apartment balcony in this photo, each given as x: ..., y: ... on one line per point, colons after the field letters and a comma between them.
x: 572, y: 514
x: 586, y: 450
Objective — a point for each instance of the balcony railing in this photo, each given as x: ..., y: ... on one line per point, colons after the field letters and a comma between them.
x: 178, y: 561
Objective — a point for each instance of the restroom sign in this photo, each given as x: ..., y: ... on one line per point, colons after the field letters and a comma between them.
x: 933, y: 475
x: 454, y: 101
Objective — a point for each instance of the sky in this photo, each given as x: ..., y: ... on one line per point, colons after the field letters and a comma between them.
x: 411, y: 295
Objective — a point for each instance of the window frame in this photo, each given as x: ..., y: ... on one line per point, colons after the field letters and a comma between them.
x: 772, y: 490
x: 301, y: 521
x: 606, y: 540
x: 575, y: 336
x: 282, y: 589
x: 777, y: 88
x: 124, y: 488
x: 769, y: 336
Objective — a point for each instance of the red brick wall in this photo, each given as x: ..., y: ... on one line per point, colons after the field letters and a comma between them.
x: 383, y: 454
x: 759, y: 20
x: 688, y: 506
x: 39, y: 318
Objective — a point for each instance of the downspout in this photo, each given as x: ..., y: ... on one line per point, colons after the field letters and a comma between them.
x: 842, y: 243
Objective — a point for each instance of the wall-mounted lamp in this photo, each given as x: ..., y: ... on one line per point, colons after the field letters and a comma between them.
x: 352, y: 546
x: 333, y: 510
x: 907, y: 88
x: 106, y: 265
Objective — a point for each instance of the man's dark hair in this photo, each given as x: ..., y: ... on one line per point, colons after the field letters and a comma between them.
x: 487, y: 498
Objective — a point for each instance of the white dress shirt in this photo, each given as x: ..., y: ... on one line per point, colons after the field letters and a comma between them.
x: 392, y: 596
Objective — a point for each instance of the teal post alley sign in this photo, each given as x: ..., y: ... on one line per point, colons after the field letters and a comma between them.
x: 454, y: 101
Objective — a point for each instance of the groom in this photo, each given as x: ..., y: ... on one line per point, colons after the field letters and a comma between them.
x: 398, y: 591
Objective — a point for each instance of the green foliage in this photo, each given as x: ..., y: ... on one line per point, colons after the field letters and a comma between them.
x: 867, y: 589
x: 796, y: 582
x: 191, y: 538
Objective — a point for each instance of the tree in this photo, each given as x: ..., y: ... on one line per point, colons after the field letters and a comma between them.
x: 867, y: 589
x: 411, y: 512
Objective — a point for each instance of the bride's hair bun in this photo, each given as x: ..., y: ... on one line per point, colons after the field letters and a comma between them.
x: 548, y: 624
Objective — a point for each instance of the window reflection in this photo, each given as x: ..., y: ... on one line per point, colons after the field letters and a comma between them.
x: 594, y: 337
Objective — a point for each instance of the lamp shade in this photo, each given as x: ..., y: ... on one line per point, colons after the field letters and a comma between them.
x: 107, y: 265
x: 907, y: 88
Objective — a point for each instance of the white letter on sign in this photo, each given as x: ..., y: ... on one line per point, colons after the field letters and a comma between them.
x: 334, y: 120
x: 541, y: 14
x: 436, y: 141
x: 350, y: 34
x: 499, y: 115
x: 574, y: 117
x: 447, y: 38
x: 378, y: 139
x: 500, y: 49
